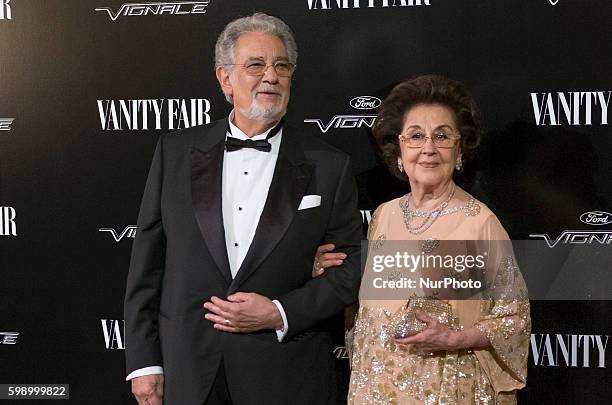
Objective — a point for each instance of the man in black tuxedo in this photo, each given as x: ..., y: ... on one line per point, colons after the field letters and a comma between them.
x: 221, y: 307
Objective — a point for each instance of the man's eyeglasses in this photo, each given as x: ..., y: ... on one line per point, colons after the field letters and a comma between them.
x: 442, y: 139
x: 259, y: 68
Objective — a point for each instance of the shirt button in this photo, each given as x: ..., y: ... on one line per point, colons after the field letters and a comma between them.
x: 245, y: 173
x: 236, y: 244
x: 239, y: 208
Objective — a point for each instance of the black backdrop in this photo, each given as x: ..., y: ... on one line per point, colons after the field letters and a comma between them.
x: 71, y: 180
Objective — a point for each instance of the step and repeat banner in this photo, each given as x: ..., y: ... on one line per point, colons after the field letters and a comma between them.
x: 87, y: 87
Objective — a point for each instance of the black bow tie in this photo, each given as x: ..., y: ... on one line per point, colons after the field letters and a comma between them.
x: 232, y: 144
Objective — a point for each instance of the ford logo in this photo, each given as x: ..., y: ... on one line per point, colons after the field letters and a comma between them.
x: 365, y: 102
x: 596, y: 218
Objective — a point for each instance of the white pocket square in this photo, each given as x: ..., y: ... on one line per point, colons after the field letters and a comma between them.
x: 310, y: 201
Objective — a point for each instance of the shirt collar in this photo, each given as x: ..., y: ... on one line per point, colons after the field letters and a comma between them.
x: 237, y: 132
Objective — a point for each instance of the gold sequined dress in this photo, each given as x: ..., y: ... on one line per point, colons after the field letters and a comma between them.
x: 383, y: 372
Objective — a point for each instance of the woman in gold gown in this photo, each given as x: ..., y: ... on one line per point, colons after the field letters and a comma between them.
x: 426, y: 128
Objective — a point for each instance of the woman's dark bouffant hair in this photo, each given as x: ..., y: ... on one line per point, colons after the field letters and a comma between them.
x: 428, y: 89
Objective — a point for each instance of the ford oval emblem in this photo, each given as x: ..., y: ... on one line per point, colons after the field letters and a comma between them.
x: 365, y: 102
x: 596, y: 218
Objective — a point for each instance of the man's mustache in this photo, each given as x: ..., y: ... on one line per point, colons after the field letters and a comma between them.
x: 267, y: 89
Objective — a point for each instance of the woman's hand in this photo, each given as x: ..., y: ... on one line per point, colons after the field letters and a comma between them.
x: 437, y: 337
x: 325, y: 258
x: 434, y: 338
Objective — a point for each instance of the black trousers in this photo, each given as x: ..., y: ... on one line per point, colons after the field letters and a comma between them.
x: 219, y: 394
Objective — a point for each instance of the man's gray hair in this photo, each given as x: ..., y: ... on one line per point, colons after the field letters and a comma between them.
x: 258, y: 22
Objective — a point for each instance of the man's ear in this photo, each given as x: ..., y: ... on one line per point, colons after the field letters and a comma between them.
x: 223, y: 77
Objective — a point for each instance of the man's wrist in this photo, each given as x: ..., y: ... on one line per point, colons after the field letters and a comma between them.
x: 276, y: 319
x: 280, y: 320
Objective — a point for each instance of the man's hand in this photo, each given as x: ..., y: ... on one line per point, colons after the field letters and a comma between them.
x: 324, y: 259
x: 149, y: 389
x: 243, y: 313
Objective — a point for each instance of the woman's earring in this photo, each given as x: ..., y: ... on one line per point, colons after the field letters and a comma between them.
x: 400, y: 165
x: 458, y: 164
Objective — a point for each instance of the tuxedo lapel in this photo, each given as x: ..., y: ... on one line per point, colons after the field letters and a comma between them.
x: 291, y: 177
x: 206, y: 192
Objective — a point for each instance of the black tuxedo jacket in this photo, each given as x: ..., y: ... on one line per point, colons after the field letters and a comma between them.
x: 179, y: 261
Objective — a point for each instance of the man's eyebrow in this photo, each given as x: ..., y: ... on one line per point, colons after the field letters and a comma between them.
x: 261, y: 58
x: 255, y: 58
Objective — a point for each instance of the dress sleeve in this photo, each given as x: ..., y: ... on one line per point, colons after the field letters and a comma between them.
x: 504, y: 318
x: 350, y: 313
x: 373, y: 227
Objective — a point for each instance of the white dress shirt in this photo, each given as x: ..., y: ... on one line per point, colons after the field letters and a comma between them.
x: 247, y: 175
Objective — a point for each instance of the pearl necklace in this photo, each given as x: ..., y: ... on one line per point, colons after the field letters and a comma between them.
x: 430, y: 216
x: 427, y: 214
